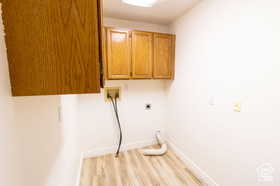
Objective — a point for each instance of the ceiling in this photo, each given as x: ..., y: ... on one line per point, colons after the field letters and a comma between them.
x: 164, y: 12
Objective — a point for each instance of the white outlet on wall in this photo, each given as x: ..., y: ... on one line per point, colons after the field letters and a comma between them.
x: 212, y: 101
x: 237, y: 106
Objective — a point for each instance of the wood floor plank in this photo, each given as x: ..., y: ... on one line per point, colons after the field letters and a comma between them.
x: 124, y: 170
x: 182, y: 174
x: 179, y: 165
x: 172, y: 174
x: 110, y: 175
x: 100, y: 174
x: 160, y: 171
x: 138, y: 169
x: 116, y: 167
x: 131, y: 168
x: 86, y: 174
x: 95, y: 177
x: 152, y: 174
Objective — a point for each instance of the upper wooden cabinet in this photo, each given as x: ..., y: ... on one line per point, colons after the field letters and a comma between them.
x: 163, y: 56
x: 53, y: 46
x: 142, y: 55
x: 139, y: 55
x: 118, y: 54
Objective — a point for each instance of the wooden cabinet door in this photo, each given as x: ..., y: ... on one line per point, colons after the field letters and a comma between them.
x: 163, y: 56
x: 142, y: 55
x: 118, y: 51
x: 53, y: 46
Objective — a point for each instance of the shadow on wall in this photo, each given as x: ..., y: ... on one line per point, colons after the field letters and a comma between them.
x: 37, y: 150
x: 41, y: 137
x: 10, y: 163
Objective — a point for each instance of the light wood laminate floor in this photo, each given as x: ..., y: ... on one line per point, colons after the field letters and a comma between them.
x: 134, y: 169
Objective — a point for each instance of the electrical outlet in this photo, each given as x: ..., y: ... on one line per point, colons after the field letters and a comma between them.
x: 114, y: 92
x: 148, y: 106
x: 237, y: 107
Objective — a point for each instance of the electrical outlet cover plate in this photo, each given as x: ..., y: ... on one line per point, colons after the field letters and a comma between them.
x: 237, y: 106
x: 112, y: 91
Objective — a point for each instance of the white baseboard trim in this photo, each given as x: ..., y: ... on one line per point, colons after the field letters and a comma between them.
x: 198, y: 172
x: 112, y: 149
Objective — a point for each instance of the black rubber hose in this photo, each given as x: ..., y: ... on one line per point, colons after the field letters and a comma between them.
x: 115, y: 106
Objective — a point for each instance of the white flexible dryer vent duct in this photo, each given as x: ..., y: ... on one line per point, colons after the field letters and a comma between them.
x: 157, y: 152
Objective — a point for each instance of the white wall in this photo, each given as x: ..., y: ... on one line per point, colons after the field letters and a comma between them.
x: 69, y: 156
x: 227, y: 51
x: 10, y: 159
x: 41, y: 137
x: 98, y: 131
x: 49, y: 146
x: 97, y: 125
x: 120, y: 23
